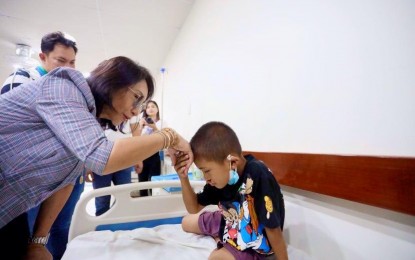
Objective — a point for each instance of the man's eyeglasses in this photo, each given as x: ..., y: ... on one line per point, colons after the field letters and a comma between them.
x: 139, y: 99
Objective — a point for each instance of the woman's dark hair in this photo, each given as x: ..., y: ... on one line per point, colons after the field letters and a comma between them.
x: 114, y: 75
x: 145, y: 110
x: 51, y: 39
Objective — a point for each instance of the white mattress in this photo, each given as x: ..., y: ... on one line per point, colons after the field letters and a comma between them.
x: 162, y: 241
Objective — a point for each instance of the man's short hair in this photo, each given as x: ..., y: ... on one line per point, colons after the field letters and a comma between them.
x: 51, y: 39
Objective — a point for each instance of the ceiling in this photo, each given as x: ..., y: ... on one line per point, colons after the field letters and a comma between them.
x: 143, y: 30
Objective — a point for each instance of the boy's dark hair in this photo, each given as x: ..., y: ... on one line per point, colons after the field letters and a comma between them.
x: 51, y: 39
x: 214, y: 141
x: 113, y: 75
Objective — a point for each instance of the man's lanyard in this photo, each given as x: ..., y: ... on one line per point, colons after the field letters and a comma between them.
x: 41, y: 70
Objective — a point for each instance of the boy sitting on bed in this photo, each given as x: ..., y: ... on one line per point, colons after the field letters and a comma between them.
x: 251, y: 217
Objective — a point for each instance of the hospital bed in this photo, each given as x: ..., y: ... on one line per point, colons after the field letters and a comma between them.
x: 139, y: 228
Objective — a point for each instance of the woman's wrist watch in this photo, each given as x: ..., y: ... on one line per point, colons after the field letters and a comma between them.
x: 39, y: 240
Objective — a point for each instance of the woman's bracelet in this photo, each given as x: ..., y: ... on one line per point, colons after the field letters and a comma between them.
x: 166, y: 143
x: 174, y: 139
x: 170, y: 137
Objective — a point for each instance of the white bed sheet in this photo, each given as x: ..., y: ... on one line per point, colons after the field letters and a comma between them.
x: 164, y: 241
x: 161, y: 242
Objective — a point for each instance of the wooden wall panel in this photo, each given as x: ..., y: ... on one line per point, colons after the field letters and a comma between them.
x: 386, y: 182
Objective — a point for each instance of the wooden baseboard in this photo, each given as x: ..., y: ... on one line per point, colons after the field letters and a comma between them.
x: 386, y: 182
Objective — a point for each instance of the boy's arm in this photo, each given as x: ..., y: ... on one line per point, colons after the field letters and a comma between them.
x: 188, y: 194
x: 277, y: 242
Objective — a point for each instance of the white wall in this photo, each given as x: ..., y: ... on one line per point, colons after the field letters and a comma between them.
x: 334, y: 77
x: 321, y: 76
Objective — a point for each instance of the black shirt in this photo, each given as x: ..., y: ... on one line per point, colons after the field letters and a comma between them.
x: 248, y: 206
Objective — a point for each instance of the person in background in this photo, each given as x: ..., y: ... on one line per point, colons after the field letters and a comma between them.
x: 52, y: 129
x: 250, y: 219
x: 149, y: 123
x: 102, y: 204
x: 57, y: 50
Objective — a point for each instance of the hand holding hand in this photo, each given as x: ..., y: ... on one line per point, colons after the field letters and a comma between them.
x: 180, y: 163
x: 177, y: 146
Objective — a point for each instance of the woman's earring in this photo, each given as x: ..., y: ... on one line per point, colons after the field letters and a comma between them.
x: 233, y: 175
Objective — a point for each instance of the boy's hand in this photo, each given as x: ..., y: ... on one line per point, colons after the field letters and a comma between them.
x: 180, y: 163
x: 181, y: 148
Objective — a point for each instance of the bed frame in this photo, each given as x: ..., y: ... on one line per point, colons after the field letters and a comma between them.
x: 127, y: 212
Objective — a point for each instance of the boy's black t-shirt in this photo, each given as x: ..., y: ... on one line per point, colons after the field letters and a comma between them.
x: 248, y: 206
